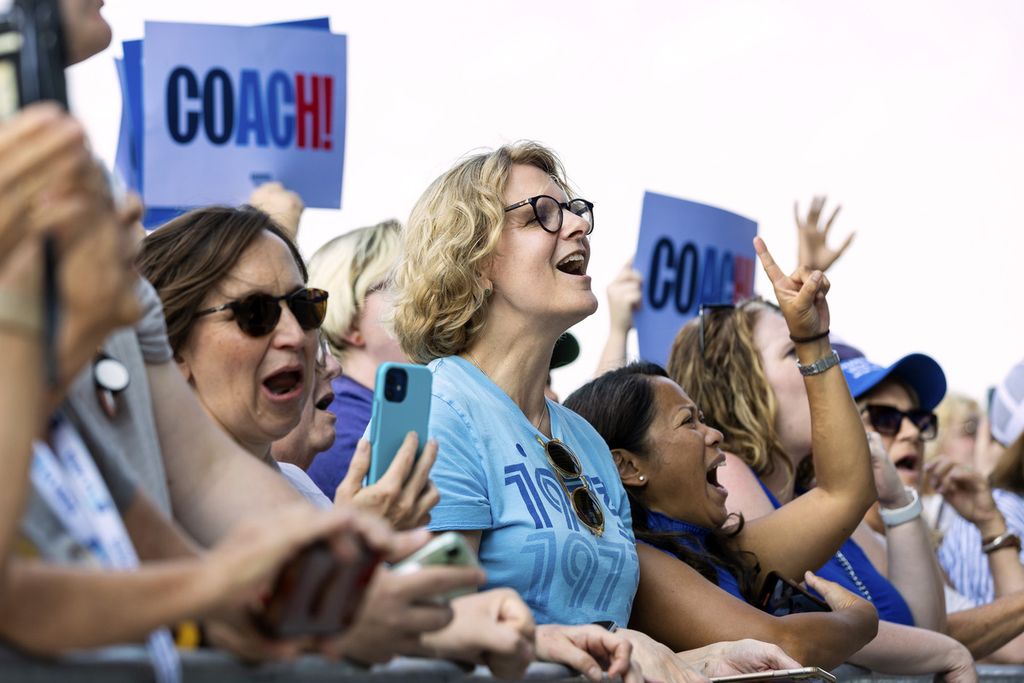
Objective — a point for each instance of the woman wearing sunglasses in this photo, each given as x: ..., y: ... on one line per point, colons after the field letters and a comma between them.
x: 241, y: 322
x: 738, y: 363
x: 494, y: 270
x: 669, y: 458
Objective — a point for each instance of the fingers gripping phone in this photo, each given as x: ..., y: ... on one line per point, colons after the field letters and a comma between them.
x: 449, y: 549
x: 315, y: 594
x: 401, y: 404
x: 780, y: 596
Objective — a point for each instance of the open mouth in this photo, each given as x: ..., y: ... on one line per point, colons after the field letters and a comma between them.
x: 325, y: 402
x: 284, y: 382
x: 907, y: 462
x: 712, y: 472
x: 573, y: 264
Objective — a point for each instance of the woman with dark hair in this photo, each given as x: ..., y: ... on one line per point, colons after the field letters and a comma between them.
x: 738, y: 362
x: 241, y: 323
x: 668, y: 457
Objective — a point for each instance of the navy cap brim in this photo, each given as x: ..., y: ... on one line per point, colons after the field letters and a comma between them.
x: 916, y: 370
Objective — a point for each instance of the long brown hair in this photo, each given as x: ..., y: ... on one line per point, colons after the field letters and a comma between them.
x: 729, y: 383
x: 188, y: 256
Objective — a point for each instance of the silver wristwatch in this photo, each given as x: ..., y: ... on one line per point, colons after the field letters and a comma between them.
x: 819, y: 366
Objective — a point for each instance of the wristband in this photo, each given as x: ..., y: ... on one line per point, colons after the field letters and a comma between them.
x: 21, y: 313
x: 1007, y: 539
x: 902, y: 515
x: 819, y: 366
x: 808, y: 340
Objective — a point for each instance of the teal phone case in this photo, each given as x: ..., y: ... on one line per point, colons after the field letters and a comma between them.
x: 392, y: 420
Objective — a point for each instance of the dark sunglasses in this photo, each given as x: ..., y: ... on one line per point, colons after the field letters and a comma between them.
x: 568, y: 468
x: 257, y: 314
x: 887, y: 420
x: 548, y: 211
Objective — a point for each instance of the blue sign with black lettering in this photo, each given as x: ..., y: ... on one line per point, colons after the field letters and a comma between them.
x: 226, y: 108
x: 689, y: 254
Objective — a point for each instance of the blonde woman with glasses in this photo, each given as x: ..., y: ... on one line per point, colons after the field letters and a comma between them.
x: 493, y: 272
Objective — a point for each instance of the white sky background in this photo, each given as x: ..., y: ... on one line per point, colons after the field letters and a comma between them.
x: 910, y: 114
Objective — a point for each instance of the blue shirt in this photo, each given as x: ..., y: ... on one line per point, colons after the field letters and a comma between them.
x: 960, y: 553
x: 353, y: 406
x: 494, y: 476
x: 660, y: 523
x: 852, y: 570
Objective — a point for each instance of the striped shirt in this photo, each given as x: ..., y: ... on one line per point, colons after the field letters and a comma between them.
x: 960, y: 553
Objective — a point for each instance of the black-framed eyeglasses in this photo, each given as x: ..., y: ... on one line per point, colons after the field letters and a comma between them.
x: 704, y: 310
x: 258, y: 314
x: 567, y: 466
x: 548, y: 211
x: 887, y: 420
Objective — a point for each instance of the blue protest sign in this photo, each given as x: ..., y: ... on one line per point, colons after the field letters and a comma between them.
x: 227, y: 108
x: 688, y: 254
x: 130, y: 144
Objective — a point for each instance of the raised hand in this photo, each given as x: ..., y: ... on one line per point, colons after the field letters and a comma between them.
x: 968, y: 492
x: 801, y: 295
x: 813, y: 251
x: 281, y: 204
x: 624, y: 297
x: 891, y: 492
x: 404, y: 496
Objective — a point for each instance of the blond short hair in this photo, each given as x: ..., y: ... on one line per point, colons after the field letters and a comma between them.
x: 440, y: 297
x: 349, y: 267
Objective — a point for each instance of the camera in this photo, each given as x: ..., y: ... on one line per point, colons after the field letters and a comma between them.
x: 32, y: 54
x: 396, y: 383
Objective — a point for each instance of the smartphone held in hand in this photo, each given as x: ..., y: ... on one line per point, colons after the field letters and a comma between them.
x: 807, y: 673
x: 401, y: 404
x: 315, y: 594
x: 449, y: 549
x: 32, y: 57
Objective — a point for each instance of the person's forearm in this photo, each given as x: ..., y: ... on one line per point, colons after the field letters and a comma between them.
x: 905, y: 650
x: 21, y: 420
x: 154, y: 536
x: 842, y: 462
x: 614, y: 354
x: 826, y: 639
x: 915, y: 572
x: 1004, y: 564
x: 49, y: 609
x: 213, y: 482
x: 987, y: 628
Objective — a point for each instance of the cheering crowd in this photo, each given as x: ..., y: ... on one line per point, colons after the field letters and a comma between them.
x: 191, y: 416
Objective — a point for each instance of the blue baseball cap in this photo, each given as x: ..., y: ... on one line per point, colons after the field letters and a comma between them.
x: 916, y: 370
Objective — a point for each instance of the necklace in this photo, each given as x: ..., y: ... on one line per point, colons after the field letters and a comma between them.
x: 853, y: 575
x: 545, y: 415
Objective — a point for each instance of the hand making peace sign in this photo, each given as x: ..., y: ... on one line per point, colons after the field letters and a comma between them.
x: 801, y: 295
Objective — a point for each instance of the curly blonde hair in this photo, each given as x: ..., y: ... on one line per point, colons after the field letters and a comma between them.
x: 439, y: 290
x: 729, y: 383
x: 349, y: 267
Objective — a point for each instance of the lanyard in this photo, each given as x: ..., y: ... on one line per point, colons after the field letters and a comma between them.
x: 68, y: 481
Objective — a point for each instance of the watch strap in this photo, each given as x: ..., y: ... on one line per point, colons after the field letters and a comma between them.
x: 819, y: 366
x: 902, y: 515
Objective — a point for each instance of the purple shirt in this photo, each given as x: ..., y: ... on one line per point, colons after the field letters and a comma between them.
x: 353, y: 405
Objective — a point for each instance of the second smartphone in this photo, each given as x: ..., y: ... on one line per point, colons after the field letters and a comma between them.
x: 401, y: 404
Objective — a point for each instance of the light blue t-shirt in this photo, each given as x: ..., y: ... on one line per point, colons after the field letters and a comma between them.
x: 493, y: 475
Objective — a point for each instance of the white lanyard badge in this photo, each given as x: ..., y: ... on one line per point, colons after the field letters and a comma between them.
x: 68, y: 481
